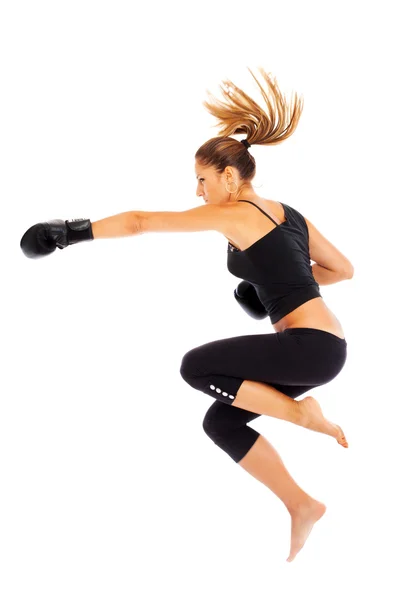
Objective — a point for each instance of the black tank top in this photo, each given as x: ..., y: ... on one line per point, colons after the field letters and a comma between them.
x: 278, y: 265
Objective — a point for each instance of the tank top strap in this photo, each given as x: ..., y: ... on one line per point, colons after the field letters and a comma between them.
x: 260, y: 209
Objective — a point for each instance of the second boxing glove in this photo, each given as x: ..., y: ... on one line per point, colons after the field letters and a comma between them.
x: 246, y: 295
x: 43, y: 238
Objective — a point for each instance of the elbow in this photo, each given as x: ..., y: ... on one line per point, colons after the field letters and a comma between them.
x: 137, y: 222
x: 349, y: 271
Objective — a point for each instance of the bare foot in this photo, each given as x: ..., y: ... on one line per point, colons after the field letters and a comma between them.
x: 312, y: 418
x: 303, y: 520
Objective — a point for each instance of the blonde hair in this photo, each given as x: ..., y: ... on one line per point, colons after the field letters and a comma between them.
x: 239, y: 113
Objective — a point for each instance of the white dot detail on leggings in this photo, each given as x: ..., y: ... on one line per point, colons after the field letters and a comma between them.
x: 231, y: 397
x: 212, y: 387
x: 218, y: 390
x: 224, y: 393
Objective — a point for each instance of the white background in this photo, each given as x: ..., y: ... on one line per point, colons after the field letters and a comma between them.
x: 109, y: 486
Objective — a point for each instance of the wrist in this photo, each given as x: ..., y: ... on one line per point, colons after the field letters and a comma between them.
x: 79, y: 230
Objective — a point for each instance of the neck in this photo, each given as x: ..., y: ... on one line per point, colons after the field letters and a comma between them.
x: 245, y: 193
x: 249, y: 196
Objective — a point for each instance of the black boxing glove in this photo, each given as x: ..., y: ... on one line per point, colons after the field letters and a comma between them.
x: 246, y: 295
x: 43, y: 238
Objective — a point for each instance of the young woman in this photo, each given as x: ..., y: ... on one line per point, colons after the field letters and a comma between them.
x: 270, y: 247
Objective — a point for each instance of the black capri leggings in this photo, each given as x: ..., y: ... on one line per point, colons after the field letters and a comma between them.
x: 292, y: 361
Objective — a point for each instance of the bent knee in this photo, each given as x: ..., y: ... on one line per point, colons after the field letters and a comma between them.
x: 212, y: 427
x: 215, y: 423
x: 189, y: 369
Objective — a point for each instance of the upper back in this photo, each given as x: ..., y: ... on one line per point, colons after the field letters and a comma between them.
x: 270, y: 250
x: 252, y: 225
x: 252, y: 222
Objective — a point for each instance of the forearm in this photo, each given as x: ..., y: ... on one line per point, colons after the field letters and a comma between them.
x: 121, y: 225
x: 325, y: 276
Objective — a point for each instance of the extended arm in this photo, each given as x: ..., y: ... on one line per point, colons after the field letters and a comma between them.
x: 43, y: 238
x: 201, y: 218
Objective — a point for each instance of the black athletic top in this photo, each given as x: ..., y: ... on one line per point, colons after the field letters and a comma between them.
x: 278, y: 265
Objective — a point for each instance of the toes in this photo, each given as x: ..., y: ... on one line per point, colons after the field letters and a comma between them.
x: 291, y: 557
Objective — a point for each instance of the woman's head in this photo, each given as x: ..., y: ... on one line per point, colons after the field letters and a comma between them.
x: 224, y: 167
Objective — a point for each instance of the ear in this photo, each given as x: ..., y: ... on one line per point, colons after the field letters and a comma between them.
x: 229, y: 172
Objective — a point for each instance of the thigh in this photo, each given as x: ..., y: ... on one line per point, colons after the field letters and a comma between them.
x: 281, y: 358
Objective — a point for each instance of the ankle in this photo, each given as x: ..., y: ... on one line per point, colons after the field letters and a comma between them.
x: 299, y: 415
x: 300, y: 504
x: 302, y: 416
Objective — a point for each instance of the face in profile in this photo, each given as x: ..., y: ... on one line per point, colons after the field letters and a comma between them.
x: 210, y: 184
